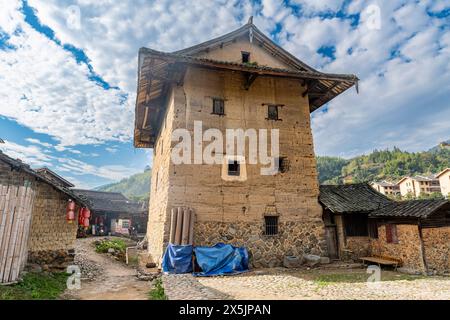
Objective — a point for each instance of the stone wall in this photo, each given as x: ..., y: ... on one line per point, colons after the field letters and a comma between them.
x: 356, y: 247
x: 294, y: 238
x: 437, y: 249
x: 294, y: 194
x: 408, y: 248
x: 52, y: 238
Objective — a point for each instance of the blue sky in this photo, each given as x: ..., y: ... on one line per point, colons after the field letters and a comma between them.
x: 68, y: 73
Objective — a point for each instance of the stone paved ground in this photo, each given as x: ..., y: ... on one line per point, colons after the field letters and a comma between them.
x: 104, y: 278
x: 303, y: 284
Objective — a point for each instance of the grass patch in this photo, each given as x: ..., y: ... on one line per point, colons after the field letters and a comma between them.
x: 327, y: 279
x: 36, y: 286
x: 157, y: 293
x: 104, y: 245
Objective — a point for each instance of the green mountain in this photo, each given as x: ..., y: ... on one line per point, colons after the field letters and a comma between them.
x: 136, y: 187
x: 388, y: 165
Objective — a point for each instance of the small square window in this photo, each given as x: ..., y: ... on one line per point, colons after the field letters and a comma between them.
x: 245, y: 57
x: 271, y: 225
x: 218, y: 106
x: 234, y: 168
x: 283, y: 164
x: 272, y: 112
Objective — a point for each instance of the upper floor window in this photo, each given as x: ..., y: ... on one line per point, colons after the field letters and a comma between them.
x: 283, y: 164
x: 234, y: 168
x: 245, y: 57
x: 272, y: 112
x: 218, y: 106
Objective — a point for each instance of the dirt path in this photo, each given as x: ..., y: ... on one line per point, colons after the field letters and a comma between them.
x: 110, y: 279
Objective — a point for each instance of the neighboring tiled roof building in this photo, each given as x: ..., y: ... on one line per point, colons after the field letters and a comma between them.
x: 351, y: 198
x: 109, y: 201
x: 33, y: 227
x: 410, y: 209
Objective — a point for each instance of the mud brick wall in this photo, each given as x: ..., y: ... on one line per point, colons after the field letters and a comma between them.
x: 14, y: 177
x: 408, y: 248
x: 52, y: 238
x: 437, y: 249
x: 216, y: 202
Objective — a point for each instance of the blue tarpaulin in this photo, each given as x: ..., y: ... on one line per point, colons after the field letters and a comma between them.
x: 177, y: 259
x: 221, y: 259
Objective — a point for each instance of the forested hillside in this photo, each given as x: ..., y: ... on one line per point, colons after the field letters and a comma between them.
x: 382, y: 165
x: 136, y: 187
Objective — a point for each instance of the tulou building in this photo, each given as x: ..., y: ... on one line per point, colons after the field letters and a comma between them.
x: 241, y: 80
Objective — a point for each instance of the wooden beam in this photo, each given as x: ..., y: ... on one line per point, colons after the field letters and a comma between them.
x: 249, y: 79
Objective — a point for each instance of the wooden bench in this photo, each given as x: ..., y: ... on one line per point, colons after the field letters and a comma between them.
x: 386, y: 261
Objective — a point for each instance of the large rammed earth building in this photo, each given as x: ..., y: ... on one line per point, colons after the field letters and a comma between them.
x: 239, y: 80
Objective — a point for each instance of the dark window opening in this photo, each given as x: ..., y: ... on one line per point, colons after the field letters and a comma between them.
x: 356, y: 225
x: 283, y: 164
x: 391, y: 233
x: 271, y: 225
x: 234, y: 168
x: 218, y: 106
x: 272, y: 112
x: 245, y: 57
x: 373, y: 229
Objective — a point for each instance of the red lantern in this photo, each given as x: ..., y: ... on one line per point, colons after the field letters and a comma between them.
x: 71, y: 206
x: 86, y: 213
x: 80, y: 216
x: 86, y: 223
x: 70, y: 211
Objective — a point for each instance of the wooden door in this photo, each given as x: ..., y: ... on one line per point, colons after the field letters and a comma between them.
x: 331, y: 238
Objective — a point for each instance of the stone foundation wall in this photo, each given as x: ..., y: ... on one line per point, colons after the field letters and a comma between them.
x: 437, y: 249
x: 356, y: 247
x: 408, y: 248
x: 52, y: 259
x: 51, y: 237
x: 294, y: 238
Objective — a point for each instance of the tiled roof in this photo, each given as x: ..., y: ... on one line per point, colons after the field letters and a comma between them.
x: 412, y: 208
x: 351, y: 198
x: 110, y: 201
x: 20, y: 165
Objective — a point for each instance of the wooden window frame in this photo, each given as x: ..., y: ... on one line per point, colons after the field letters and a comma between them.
x: 221, y: 111
x: 391, y: 233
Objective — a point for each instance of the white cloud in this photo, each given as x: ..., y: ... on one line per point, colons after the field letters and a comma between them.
x: 37, y: 141
x: 44, y: 88
x: 111, y: 172
x: 31, y: 155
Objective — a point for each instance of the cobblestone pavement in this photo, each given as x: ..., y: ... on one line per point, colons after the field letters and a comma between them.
x: 286, y: 284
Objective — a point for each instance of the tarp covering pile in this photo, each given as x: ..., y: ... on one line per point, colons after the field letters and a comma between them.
x: 177, y: 259
x: 221, y: 259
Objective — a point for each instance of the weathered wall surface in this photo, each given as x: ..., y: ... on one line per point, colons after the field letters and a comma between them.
x: 437, y: 249
x: 350, y: 248
x: 52, y: 238
x: 357, y: 247
x: 238, y: 205
x: 159, y: 207
x: 408, y: 248
x: 232, y: 52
